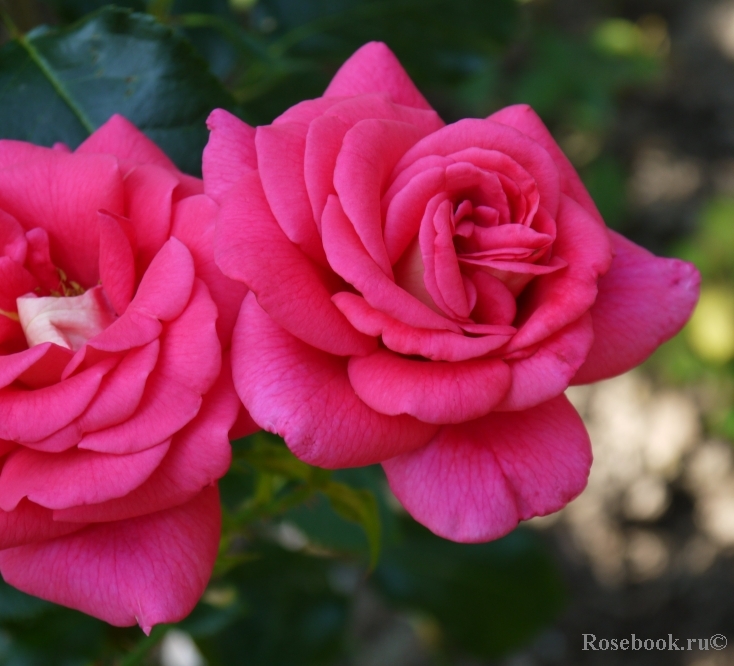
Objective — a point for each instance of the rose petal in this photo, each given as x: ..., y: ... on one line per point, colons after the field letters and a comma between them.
x: 523, y: 118
x: 436, y: 392
x: 368, y: 155
x: 71, y: 478
x: 349, y: 259
x: 148, y: 198
x: 251, y: 247
x: 643, y: 301
x: 553, y: 301
x: 411, y: 341
x: 121, y: 390
x: 374, y: 68
x: 145, y: 570
x: 29, y: 523
x: 62, y: 194
x: 165, y: 408
x: 116, y: 263
x: 229, y: 154
x: 199, y: 455
x: 280, y: 154
x: 194, y: 226
x: 119, y: 137
x: 476, y: 134
x: 34, y: 415
x: 548, y: 372
x: 304, y: 395
x: 475, y: 481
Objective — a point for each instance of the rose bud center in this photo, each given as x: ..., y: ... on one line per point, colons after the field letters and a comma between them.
x: 68, y: 321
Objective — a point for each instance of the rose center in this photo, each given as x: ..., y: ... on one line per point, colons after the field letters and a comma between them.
x: 68, y: 321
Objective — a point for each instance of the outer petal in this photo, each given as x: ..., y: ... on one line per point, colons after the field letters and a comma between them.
x: 437, y: 392
x: 475, y: 481
x: 119, y: 137
x: 304, y: 395
x: 144, y: 570
x: 30, y: 523
x: 643, y: 301
x: 229, y: 154
x: 374, y: 68
x: 251, y: 247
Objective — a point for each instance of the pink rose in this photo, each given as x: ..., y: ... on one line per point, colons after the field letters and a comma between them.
x: 423, y: 294
x: 114, y: 415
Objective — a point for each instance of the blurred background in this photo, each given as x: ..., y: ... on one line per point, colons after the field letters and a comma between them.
x: 640, y: 95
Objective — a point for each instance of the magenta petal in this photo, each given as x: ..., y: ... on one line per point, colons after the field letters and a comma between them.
x: 548, y: 372
x: 121, y: 390
x: 349, y: 259
x: 643, y: 301
x: 144, y: 570
x: 411, y: 341
x: 34, y: 415
x: 437, y: 392
x: 523, y: 118
x: 229, y: 154
x: 370, y: 151
x: 304, y: 395
x: 190, y: 350
x: 62, y: 195
x: 29, y: 523
x: 374, y: 68
x: 116, y: 263
x: 475, y: 481
x: 166, y: 286
x: 119, y: 137
x: 199, y: 455
x: 280, y: 155
x: 194, y: 226
x: 472, y: 133
x: 165, y: 408
x: 554, y: 301
x: 149, y: 194
x: 44, y: 363
x: 252, y: 248
x: 71, y: 478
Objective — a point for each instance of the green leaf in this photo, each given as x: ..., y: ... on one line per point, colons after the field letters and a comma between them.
x: 62, y: 84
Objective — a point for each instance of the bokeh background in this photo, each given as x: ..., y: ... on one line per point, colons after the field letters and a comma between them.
x: 640, y: 95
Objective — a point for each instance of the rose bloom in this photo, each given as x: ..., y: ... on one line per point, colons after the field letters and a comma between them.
x: 423, y: 294
x: 115, y: 404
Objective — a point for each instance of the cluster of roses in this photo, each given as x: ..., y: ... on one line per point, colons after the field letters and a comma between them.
x: 371, y: 284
